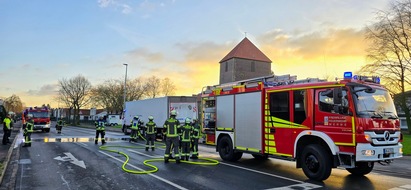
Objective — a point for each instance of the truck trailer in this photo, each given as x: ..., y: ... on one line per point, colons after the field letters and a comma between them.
x: 159, y: 108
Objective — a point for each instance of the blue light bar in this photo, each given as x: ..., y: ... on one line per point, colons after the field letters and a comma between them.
x: 347, y: 75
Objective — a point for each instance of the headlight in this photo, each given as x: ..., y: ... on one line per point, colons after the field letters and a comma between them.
x: 368, y: 137
x: 368, y: 152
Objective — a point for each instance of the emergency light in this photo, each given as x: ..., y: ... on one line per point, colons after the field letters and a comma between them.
x: 347, y: 75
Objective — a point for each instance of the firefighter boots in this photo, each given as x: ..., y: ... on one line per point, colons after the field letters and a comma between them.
x: 146, y: 148
x: 96, y: 142
x: 152, y: 148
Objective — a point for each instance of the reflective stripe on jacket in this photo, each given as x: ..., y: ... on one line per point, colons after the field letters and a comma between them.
x: 151, y: 127
x: 171, y: 125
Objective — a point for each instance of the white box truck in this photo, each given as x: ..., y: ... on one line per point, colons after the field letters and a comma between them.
x: 159, y: 108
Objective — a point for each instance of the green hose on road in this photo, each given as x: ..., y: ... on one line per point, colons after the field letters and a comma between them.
x: 206, y: 161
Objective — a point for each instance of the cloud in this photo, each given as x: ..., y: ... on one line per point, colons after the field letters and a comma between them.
x: 45, y: 90
x: 145, y: 54
x: 125, y: 8
x: 309, y: 54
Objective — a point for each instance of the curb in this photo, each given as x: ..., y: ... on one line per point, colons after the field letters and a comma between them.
x: 7, y: 160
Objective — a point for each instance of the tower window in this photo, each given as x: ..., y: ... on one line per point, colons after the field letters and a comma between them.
x: 226, y: 66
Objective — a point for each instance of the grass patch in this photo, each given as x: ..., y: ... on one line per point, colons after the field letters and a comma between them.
x: 406, y: 143
x: 118, y: 126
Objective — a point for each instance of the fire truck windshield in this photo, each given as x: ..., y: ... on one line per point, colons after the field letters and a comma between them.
x: 374, y: 103
x: 40, y: 114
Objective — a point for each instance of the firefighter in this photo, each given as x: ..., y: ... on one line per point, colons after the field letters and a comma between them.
x: 135, y: 129
x: 7, y: 122
x: 59, y: 125
x: 171, y: 125
x: 150, y: 133
x: 186, y: 139
x: 100, y: 129
x: 195, y: 135
x: 28, y: 129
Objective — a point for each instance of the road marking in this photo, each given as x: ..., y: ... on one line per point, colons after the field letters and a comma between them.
x: 82, y: 144
x: 69, y: 157
x: 264, y: 173
x: 65, y: 182
x: 404, y: 187
x: 152, y: 175
x: 144, y: 154
x: 304, y: 186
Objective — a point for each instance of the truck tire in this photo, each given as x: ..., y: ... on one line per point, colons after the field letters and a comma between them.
x: 316, y: 162
x: 47, y: 130
x: 361, y: 168
x: 226, y: 150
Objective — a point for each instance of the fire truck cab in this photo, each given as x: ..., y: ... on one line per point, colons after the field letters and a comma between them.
x: 351, y: 123
x: 41, y: 118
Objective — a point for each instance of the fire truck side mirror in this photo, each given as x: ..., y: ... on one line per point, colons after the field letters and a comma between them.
x: 337, y: 96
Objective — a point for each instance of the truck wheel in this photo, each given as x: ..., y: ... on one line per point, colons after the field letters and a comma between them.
x: 226, y: 151
x: 361, y: 168
x: 316, y: 162
x: 260, y: 157
x: 47, y: 130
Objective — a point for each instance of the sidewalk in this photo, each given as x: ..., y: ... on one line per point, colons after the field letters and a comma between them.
x: 7, y: 150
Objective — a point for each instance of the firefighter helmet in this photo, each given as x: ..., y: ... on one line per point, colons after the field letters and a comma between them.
x: 173, y: 112
x: 150, y: 117
x: 136, y: 117
x: 188, y: 120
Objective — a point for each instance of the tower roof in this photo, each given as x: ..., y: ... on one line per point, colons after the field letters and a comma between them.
x: 246, y: 50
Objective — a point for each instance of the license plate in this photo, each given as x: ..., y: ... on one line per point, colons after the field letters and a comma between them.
x: 388, y: 150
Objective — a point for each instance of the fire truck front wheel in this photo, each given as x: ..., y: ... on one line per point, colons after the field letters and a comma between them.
x: 316, y: 162
x: 361, y: 168
x: 226, y: 150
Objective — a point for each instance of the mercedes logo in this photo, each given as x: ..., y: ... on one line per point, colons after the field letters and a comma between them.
x: 387, y: 136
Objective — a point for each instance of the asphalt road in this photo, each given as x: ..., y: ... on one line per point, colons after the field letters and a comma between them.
x: 71, y: 160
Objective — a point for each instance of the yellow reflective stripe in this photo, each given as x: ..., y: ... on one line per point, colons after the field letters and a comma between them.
x: 353, y: 135
x: 280, y: 154
x: 224, y: 129
x: 269, y: 136
x: 307, y: 87
x: 239, y: 86
x: 281, y: 123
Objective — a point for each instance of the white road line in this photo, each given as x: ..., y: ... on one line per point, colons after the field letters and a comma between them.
x: 264, y: 173
x: 152, y: 175
x: 305, y: 186
x: 83, y: 144
x: 144, y: 154
x: 65, y: 182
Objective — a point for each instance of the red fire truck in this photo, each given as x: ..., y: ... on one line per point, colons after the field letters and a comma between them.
x: 350, y: 123
x: 41, y: 118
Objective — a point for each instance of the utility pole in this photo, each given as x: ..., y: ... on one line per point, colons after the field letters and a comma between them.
x: 125, y: 86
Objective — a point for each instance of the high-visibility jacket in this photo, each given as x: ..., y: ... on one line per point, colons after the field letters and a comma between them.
x: 29, y: 126
x: 196, y: 131
x: 60, y: 122
x: 135, y: 124
x: 186, y: 133
x: 100, y: 125
x: 171, y: 127
x: 7, y: 123
x: 150, y: 127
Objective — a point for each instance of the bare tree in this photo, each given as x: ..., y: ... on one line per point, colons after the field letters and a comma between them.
x: 110, y: 94
x: 167, y: 87
x: 74, y: 93
x: 389, y: 51
x: 13, y: 103
x: 153, y: 87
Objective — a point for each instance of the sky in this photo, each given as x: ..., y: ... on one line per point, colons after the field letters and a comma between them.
x: 44, y: 41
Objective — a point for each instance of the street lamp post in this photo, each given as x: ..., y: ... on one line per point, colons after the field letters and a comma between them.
x: 125, y: 85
